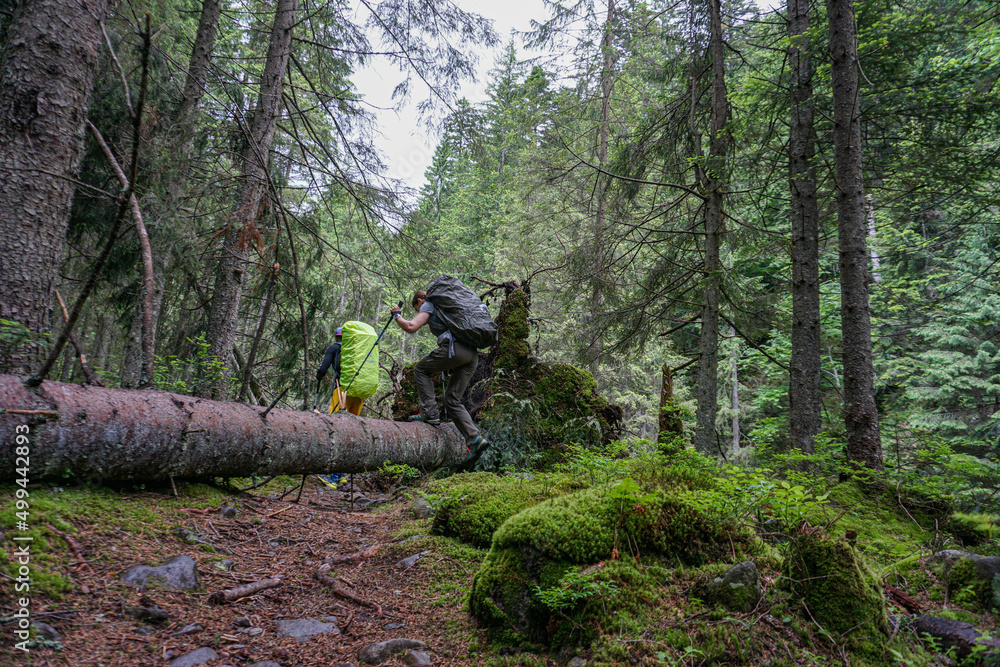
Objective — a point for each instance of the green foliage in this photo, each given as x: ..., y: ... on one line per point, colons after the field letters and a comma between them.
x: 184, y: 376
x: 576, y: 585
x: 792, y: 504
x: 15, y: 340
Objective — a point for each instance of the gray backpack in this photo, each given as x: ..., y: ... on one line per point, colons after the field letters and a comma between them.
x: 461, y: 311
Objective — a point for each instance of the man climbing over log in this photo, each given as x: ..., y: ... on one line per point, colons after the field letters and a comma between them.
x: 462, y: 324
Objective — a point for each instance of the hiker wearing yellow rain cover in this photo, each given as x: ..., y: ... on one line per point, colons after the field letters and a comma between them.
x: 358, y: 368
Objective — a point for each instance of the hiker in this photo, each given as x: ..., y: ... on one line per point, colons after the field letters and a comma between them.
x: 452, y: 355
x: 331, y: 361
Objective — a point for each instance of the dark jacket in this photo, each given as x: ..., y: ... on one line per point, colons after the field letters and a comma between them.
x: 331, y: 358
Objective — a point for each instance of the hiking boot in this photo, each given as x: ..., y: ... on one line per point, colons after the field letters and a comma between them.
x: 433, y: 420
x: 476, y: 449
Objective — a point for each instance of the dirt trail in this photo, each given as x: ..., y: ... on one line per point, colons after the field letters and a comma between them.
x: 267, y: 538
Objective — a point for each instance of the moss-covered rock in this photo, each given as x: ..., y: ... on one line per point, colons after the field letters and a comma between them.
x: 535, y: 548
x: 471, y: 507
x: 839, y: 590
x: 737, y: 589
x: 970, y: 578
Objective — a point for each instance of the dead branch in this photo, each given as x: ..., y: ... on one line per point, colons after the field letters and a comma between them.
x: 73, y: 545
x: 222, y: 597
x: 88, y: 374
x: 327, y: 580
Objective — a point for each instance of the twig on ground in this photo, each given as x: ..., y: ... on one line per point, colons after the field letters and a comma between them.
x: 327, y: 580
x: 222, y: 597
x: 73, y: 545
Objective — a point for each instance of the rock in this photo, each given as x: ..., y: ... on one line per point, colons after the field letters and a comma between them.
x: 958, y: 635
x: 253, y: 632
x: 840, y: 591
x: 46, y: 631
x: 304, y: 628
x: 228, y: 511
x: 265, y: 663
x: 188, y: 630
x: 198, y: 657
x: 961, y: 569
x: 147, y: 614
x: 407, y: 563
x: 737, y: 590
x: 393, y: 626
x: 577, y: 661
x: 362, y: 502
x: 242, y: 621
x: 378, y: 653
x: 143, y: 631
x: 418, y: 659
x: 179, y: 573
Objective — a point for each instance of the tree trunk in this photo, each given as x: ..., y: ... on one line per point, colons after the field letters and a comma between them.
x: 48, y: 63
x: 181, y: 145
x: 708, y: 368
x: 734, y: 358
x: 231, y: 272
x: 804, y: 368
x: 600, y: 216
x: 860, y: 411
x: 95, y: 433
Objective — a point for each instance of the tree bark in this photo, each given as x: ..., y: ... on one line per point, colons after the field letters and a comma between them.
x: 805, y: 414
x: 231, y: 272
x: 47, y: 72
x: 119, y: 434
x: 860, y: 411
x: 708, y: 368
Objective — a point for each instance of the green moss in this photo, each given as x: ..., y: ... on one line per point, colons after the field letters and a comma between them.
x: 577, y: 528
x: 105, y: 511
x: 471, y: 507
x: 536, y: 548
x: 885, y: 533
x: 839, y: 591
x: 513, y: 352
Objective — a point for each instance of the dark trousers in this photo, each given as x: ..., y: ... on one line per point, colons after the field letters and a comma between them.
x: 462, y: 366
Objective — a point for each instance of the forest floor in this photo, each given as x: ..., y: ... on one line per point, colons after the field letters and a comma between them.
x: 268, y: 537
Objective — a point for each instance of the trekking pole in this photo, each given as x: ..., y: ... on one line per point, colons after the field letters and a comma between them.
x: 316, y: 402
x: 374, y: 345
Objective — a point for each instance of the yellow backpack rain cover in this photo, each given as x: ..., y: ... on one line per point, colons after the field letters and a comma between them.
x: 358, y: 339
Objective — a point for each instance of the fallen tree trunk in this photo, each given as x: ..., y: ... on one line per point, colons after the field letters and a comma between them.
x: 101, y: 434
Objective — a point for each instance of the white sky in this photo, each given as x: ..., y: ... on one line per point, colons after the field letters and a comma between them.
x: 408, y: 146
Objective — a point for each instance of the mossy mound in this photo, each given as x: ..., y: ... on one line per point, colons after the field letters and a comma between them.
x: 535, y: 549
x: 839, y: 590
x: 471, y: 507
